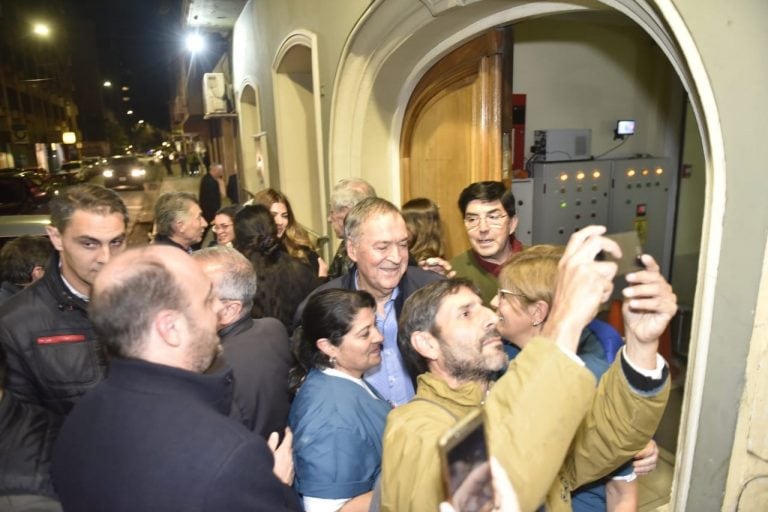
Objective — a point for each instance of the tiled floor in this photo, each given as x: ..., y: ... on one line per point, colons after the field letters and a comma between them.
x: 655, y: 487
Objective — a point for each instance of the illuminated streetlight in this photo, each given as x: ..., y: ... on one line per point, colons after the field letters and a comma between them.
x: 107, y: 83
x: 125, y: 88
x: 141, y: 121
x: 41, y: 29
x: 129, y: 113
x: 195, y: 43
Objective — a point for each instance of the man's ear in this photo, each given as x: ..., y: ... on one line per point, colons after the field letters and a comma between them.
x: 513, y: 224
x: 352, y: 251
x: 169, y: 325
x: 426, y: 345
x: 38, y: 271
x: 55, y: 236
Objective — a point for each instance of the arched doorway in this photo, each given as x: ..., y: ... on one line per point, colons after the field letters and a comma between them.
x: 401, y: 41
x: 299, y: 134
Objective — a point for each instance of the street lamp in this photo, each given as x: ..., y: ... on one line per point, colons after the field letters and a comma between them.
x: 41, y: 29
x: 195, y: 43
x: 129, y: 113
x: 107, y: 84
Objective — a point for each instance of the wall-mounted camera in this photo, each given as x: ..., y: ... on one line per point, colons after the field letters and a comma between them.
x: 624, y: 128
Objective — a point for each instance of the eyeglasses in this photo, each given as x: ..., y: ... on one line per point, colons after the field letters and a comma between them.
x: 217, y: 227
x: 502, y: 292
x: 494, y: 220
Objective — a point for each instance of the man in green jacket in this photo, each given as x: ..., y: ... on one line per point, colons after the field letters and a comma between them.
x: 544, y: 427
x: 489, y: 215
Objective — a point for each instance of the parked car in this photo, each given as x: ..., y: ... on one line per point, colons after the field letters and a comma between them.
x: 75, y: 169
x: 14, y: 226
x: 23, y: 192
x: 124, y: 171
x: 93, y: 166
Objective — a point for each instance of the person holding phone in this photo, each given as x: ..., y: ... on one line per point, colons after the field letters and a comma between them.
x: 337, y: 418
x: 527, y: 285
x: 547, y: 426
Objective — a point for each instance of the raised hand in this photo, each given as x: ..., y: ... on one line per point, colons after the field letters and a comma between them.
x: 649, y: 305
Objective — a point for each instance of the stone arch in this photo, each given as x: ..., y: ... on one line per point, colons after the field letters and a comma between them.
x: 396, y: 41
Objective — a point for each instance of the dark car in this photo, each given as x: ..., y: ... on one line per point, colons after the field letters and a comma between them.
x: 23, y: 192
x: 124, y: 171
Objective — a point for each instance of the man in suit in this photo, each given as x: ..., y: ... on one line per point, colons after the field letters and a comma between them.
x: 155, y: 435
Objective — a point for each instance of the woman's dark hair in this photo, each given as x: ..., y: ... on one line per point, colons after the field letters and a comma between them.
x: 282, y: 281
x: 328, y: 314
x: 255, y: 231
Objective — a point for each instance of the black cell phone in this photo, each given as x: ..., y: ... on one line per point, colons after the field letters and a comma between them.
x: 631, y: 250
x: 466, y: 466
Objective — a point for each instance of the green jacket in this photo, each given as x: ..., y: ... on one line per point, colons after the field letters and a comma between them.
x: 543, y: 426
x: 466, y: 266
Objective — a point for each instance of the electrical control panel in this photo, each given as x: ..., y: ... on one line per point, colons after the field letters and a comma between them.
x: 623, y: 194
x: 522, y: 189
x: 643, y: 199
x: 568, y: 196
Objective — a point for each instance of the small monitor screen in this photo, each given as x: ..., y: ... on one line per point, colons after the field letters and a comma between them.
x: 625, y: 127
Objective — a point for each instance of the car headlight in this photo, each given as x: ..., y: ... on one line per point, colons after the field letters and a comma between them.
x: 138, y: 172
x: 108, y: 173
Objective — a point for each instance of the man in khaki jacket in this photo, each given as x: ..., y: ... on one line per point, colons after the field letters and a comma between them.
x: 544, y: 427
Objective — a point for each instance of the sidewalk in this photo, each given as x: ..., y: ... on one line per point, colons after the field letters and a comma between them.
x: 139, y: 235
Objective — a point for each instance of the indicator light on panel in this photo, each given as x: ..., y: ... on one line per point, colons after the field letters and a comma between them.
x: 631, y: 173
x: 659, y: 171
x: 580, y: 175
x: 646, y: 172
x: 595, y: 173
x: 563, y: 176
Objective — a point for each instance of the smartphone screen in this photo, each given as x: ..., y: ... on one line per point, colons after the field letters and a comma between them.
x: 466, y: 468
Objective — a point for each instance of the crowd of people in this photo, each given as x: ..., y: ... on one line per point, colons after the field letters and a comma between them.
x: 245, y: 373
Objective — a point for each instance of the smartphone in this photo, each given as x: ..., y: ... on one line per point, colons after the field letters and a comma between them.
x: 465, y: 464
x: 631, y: 250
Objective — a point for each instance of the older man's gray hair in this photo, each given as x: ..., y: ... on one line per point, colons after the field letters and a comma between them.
x: 347, y: 192
x: 169, y: 208
x: 237, y: 281
x: 364, y: 210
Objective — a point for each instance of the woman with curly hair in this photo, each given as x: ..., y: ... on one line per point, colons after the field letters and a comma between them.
x: 293, y: 235
x: 282, y: 280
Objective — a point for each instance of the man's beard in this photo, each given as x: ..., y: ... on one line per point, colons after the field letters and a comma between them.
x: 481, y: 367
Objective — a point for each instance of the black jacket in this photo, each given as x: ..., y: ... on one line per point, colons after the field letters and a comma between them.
x: 53, y: 355
x: 259, y: 352
x: 151, y: 437
x: 26, y: 442
x: 413, y: 279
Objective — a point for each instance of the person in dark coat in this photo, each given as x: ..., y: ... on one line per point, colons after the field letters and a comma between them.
x: 377, y: 243
x: 212, y: 190
x: 258, y: 350
x: 22, y: 262
x: 27, y: 432
x: 154, y: 434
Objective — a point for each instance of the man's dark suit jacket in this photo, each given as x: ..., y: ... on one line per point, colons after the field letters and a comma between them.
x: 154, y: 437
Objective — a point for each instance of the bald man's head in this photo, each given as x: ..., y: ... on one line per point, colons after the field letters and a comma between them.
x: 139, y: 284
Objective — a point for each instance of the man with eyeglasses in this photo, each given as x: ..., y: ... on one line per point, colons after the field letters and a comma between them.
x: 489, y: 215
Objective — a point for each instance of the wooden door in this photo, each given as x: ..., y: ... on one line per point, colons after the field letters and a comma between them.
x: 451, y: 133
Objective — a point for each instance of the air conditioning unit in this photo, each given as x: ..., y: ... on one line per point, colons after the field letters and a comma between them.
x: 214, y: 93
x: 559, y: 145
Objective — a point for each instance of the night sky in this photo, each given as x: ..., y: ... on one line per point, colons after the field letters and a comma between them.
x: 138, y: 43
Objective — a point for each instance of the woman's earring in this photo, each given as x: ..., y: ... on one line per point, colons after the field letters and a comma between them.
x: 333, y: 361
x: 536, y: 323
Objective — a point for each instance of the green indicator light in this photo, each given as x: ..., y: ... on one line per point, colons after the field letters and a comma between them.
x: 563, y: 204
